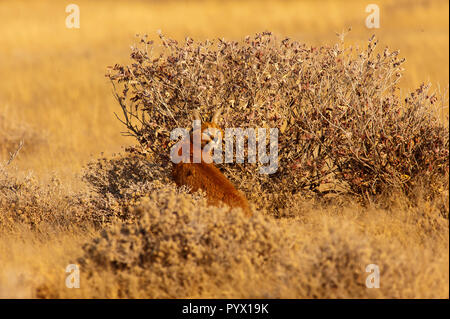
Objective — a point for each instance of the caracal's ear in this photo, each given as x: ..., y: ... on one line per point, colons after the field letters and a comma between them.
x: 197, y: 115
x: 216, y: 116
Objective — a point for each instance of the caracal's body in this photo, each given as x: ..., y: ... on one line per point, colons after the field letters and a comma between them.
x: 206, y: 176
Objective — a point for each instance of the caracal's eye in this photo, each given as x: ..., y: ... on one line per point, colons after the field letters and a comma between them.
x: 206, y: 136
x: 211, y: 134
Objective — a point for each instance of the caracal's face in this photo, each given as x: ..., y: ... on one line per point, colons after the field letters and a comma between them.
x: 211, y: 131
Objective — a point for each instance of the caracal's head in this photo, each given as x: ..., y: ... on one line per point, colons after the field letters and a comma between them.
x: 210, y: 130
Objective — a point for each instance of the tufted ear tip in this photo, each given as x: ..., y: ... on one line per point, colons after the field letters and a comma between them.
x: 196, y: 115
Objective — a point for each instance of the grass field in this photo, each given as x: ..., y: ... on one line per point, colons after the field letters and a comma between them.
x: 54, y: 95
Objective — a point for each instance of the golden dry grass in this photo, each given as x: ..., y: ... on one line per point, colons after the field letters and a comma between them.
x: 54, y: 95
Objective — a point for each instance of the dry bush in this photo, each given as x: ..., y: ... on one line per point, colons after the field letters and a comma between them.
x: 180, y: 242
x: 115, y: 185
x: 118, y: 182
x: 178, y: 247
x: 25, y: 202
x: 29, y: 204
x: 343, y: 125
x: 158, y: 241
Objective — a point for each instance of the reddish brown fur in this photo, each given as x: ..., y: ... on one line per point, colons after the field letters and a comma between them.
x: 210, y: 179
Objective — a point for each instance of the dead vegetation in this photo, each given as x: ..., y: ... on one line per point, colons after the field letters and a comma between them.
x: 13, y: 134
x: 136, y: 235
x: 152, y: 240
x: 344, y: 128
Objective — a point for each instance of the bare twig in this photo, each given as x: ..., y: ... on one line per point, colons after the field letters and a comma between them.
x: 14, y: 154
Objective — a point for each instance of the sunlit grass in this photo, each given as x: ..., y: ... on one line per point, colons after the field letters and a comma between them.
x: 54, y: 96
